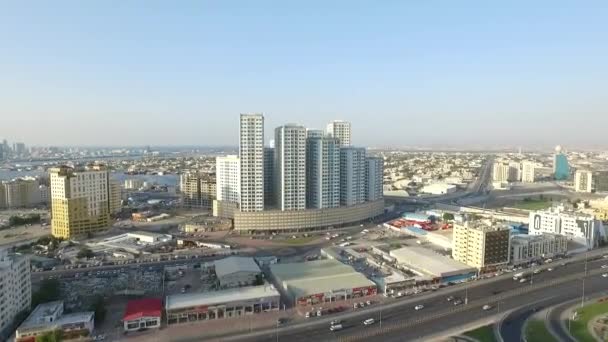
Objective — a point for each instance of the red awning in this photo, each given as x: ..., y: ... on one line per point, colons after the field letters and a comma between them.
x: 148, y: 307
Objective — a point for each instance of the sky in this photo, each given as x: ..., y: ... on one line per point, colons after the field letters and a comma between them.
x: 405, y: 73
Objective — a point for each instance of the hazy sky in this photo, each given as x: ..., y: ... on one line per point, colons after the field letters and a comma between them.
x: 408, y: 72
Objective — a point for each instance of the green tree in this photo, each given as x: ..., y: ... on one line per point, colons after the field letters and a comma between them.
x: 52, y: 336
x: 50, y: 290
x: 85, y: 253
x: 99, y: 307
x: 448, y: 216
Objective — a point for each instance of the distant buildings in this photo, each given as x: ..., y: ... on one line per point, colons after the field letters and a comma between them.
x: 228, y: 173
x: 505, y: 171
x: 133, y: 184
x: 22, y: 193
x: 353, y: 168
x: 198, y: 190
x: 80, y: 200
x: 561, y: 168
x: 310, y: 182
x: 322, y: 171
x: 16, y: 289
x: 480, y: 245
x: 290, y: 167
x: 50, y: 317
x: 251, y: 153
x: 438, y: 189
x: 581, y: 227
x: 374, y: 178
x: 341, y: 130
x: 583, y: 181
x: 528, y: 171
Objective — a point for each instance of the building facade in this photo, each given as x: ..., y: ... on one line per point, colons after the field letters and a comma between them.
x: 374, y: 178
x: 251, y: 154
x: 115, y: 197
x: 561, y: 168
x: 583, y: 181
x: 290, y: 167
x: 341, y: 130
x: 322, y: 171
x: 198, y: 190
x: 20, y: 193
x: 80, y: 200
x: 600, y: 181
x: 485, y: 247
x: 269, y: 177
x: 133, y: 184
x: 529, y: 248
x: 581, y: 227
x: 50, y: 317
x: 228, y: 179
x: 353, y: 168
x: 16, y: 293
x: 528, y: 172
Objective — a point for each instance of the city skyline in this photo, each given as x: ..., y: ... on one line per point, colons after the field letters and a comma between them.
x: 403, y: 74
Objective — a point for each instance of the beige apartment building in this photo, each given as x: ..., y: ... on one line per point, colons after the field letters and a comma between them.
x: 80, y: 200
x: 481, y: 245
x: 198, y: 190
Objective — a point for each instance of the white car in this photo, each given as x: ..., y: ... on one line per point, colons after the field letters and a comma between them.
x: 549, y: 269
x: 604, y: 266
x: 605, y: 275
x: 418, y: 307
x: 335, y: 327
x: 369, y: 321
x: 487, y: 307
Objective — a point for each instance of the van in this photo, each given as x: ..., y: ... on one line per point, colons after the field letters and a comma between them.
x: 336, y: 327
x: 369, y: 321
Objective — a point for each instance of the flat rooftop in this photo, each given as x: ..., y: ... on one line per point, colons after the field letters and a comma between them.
x: 429, y: 262
x: 234, y: 264
x: 320, y: 276
x: 188, y: 300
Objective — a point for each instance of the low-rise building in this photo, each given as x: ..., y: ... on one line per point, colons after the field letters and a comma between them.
x: 143, y: 314
x: 49, y: 317
x: 236, y: 302
x: 321, y: 281
x: 439, y: 189
x: 528, y: 248
x: 15, y: 289
x: 427, y: 262
x: 237, y: 271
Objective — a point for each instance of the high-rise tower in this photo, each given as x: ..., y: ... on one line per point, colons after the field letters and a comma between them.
x: 251, y: 153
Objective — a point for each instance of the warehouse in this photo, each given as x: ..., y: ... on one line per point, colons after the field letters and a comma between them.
x: 427, y: 262
x: 237, y: 271
x: 321, y: 281
x: 202, y: 306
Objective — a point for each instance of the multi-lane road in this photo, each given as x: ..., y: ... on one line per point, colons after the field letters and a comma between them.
x: 401, y: 322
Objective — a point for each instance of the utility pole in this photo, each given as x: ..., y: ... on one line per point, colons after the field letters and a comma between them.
x: 466, y: 295
x: 380, y: 319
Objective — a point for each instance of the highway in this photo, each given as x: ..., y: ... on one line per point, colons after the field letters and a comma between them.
x: 555, y: 320
x: 401, y: 322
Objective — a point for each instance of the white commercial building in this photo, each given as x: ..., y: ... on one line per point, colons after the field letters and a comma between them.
x: 374, y: 178
x: 16, y: 289
x: 341, y: 130
x: 133, y: 184
x: 577, y: 226
x: 438, y: 189
x: 505, y: 171
x: 236, y: 271
x: 228, y: 178
x: 49, y: 317
x: 583, y: 181
x: 322, y: 171
x: 526, y: 248
x: 430, y: 263
x: 528, y: 171
x: 290, y: 167
x: 353, y: 168
x: 251, y: 153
